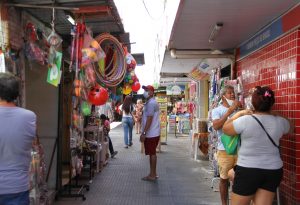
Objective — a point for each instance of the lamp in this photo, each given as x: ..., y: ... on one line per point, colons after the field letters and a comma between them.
x: 70, y: 19
x: 215, y: 32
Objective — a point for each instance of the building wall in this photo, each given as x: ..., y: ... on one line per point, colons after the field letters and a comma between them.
x: 277, y: 65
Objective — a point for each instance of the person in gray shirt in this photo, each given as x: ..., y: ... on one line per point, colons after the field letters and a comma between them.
x: 259, y: 167
x: 17, y: 133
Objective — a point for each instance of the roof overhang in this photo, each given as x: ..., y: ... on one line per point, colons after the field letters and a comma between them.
x: 196, y: 22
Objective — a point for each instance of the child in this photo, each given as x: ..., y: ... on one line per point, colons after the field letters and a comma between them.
x: 106, y: 128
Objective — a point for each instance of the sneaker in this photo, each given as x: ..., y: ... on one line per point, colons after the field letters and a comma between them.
x: 130, y: 144
x: 114, y: 154
x: 126, y: 146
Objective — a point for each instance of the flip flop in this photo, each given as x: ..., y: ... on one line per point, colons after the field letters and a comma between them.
x: 147, y: 178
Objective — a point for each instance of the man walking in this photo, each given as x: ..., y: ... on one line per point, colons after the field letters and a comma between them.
x: 150, y: 130
x: 17, y: 132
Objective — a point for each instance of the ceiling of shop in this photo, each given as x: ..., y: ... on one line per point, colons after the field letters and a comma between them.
x: 100, y: 15
x: 195, y: 21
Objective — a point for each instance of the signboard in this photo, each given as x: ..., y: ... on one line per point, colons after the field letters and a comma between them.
x: 197, y: 75
x: 175, y: 89
x: 162, y: 100
x: 262, y: 38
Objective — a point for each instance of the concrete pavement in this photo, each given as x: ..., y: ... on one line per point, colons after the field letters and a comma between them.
x: 182, y: 181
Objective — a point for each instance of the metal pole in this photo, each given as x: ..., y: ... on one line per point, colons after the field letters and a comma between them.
x: 43, y: 7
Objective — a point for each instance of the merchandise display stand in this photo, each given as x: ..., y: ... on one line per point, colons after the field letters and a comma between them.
x: 182, y: 126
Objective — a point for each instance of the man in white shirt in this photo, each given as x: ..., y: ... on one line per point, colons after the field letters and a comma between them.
x: 150, y: 130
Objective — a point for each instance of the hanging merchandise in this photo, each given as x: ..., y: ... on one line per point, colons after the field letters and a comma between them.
x: 136, y: 86
x: 119, y: 91
x: 127, y: 89
x: 131, y: 80
x: 84, y: 86
x: 90, y: 75
x: 54, y: 72
x: 98, y: 95
x: 32, y: 51
x: 77, y: 87
x: 80, y: 30
x: 130, y: 61
x: 72, y: 49
x: 54, y: 57
x: 85, y: 108
x: 111, y: 69
x: 91, y: 51
x: 53, y: 39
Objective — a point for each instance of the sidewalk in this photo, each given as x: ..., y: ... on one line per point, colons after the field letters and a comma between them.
x: 182, y: 181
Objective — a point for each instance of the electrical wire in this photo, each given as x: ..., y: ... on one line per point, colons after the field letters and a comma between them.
x: 155, y: 19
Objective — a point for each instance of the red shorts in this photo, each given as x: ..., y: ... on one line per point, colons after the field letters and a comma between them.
x: 150, y: 145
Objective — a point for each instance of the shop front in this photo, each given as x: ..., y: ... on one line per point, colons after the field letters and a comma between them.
x: 62, y: 73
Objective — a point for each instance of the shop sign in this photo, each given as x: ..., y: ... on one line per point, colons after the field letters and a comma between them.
x: 262, y: 38
x: 175, y: 89
x: 197, y: 75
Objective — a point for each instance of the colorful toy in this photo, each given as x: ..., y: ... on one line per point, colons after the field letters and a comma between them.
x: 77, y: 87
x: 127, y: 89
x: 130, y: 61
x: 85, y: 108
x: 136, y: 86
x: 98, y: 95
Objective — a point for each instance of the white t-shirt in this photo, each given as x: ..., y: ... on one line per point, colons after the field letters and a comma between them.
x: 257, y: 151
x: 124, y: 114
x: 151, y: 108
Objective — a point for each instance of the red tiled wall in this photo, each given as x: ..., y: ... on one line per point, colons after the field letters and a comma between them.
x: 278, y: 66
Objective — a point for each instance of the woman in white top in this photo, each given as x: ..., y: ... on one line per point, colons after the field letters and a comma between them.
x: 259, y: 167
x: 127, y: 120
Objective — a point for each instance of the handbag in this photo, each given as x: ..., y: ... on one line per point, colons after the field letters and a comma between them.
x: 230, y: 143
x: 266, y: 132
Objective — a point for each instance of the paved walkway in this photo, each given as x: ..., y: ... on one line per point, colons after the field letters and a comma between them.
x: 182, y: 181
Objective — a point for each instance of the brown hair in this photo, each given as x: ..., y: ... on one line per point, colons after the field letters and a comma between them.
x: 127, y: 104
x: 263, y: 99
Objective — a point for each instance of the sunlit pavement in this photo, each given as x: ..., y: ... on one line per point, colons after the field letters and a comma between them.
x: 182, y: 181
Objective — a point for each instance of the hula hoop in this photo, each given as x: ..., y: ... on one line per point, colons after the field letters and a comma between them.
x: 114, y: 76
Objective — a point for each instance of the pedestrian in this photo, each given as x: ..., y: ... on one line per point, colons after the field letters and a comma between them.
x: 127, y: 120
x: 105, y: 122
x: 150, y: 130
x: 219, y: 115
x: 138, y: 115
x: 259, y: 167
x: 17, y: 133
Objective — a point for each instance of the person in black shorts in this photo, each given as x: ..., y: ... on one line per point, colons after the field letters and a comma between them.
x: 259, y: 167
